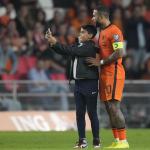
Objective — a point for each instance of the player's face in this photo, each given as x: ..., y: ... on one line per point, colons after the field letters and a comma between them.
x: 97, y: 18
x: 84, y: 35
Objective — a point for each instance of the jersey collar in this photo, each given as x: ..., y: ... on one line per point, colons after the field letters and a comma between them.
x: 107, y: 26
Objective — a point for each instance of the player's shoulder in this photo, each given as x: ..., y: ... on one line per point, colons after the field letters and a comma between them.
x: 115, y: 29
x: 115, y: 33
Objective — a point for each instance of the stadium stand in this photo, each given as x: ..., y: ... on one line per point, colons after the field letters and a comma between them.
x: 24, y: 23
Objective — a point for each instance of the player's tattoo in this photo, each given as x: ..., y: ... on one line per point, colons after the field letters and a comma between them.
x: 116, y: 116
x: 114, y: 56
x: 120, y: 120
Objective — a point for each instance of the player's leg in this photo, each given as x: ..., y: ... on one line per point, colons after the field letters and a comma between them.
x: 110, y: 91
x: 92, y: 113
x: 113, y: 124
x: 106, y: 86
x: 116, y: 116
x: 80, y: 118
x: 117, y: 121
x: 119, y: 116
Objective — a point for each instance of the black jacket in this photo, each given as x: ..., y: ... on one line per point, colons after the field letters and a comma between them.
x: 81, y: 52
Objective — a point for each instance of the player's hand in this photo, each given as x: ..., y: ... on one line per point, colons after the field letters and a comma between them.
x: 93, y: 61
x: 50, y: 38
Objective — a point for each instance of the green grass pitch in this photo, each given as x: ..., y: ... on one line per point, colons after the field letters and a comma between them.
x: 139, y: 139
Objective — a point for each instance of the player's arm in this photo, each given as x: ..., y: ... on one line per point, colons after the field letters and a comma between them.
x: 117, y: 45
x: 118, y: 53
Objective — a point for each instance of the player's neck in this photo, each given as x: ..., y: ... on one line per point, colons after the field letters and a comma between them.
x: 106, y: 24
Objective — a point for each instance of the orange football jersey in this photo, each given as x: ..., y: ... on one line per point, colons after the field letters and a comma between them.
x: 109, y: 39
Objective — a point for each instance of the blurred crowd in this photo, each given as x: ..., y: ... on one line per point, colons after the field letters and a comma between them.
x: 23, y: 24
x: 25, y: 54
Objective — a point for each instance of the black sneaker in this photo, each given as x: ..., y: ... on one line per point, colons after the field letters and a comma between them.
x: 82, y: 143
x: 96, y: 143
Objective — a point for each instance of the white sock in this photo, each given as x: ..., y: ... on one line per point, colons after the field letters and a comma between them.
x: 117, y: 139
x: 123, y: 140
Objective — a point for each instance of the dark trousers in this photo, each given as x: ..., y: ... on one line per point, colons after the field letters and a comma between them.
x: 86, y: 92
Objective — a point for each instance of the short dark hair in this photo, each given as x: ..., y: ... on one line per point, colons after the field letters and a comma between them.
x: 91, y: 29
x: 103, y: 10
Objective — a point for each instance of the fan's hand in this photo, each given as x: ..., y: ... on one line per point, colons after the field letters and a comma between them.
x: 50, y: 38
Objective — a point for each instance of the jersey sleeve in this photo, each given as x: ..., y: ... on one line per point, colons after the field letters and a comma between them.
x: 117, y: 39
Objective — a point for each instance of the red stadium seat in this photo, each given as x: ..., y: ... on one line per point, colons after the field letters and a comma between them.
x: 9, y: 86
x: 22, y: 67
x: 57, y: 76
x: 31, y: 62
x: 25, y: 64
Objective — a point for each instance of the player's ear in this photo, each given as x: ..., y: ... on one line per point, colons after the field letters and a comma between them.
x: 100, y: 17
